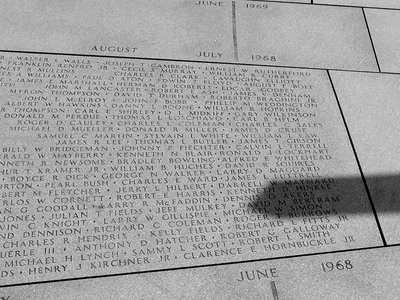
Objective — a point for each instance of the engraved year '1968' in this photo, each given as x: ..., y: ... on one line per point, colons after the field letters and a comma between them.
x: 258, y: 57
x: 339, y: 265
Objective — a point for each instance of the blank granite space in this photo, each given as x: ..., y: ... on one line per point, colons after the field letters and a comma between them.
x: 364, y: 3
x: 384, y: 26
x: 371, y: 107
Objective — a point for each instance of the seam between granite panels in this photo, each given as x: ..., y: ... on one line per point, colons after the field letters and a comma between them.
x: 234, y: 32
x: 372, y: 42
x: 358, y: 163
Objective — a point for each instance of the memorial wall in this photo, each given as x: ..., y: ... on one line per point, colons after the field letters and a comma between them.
x: 196, y: 162
x: 114, y: 165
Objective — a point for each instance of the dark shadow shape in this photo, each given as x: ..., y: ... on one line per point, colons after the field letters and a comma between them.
x: 295, y: 199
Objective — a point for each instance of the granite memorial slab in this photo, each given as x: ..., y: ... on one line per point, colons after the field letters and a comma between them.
x: 371, y: 107
x: 199, y: 150
x: 346, y: 275
x: 126, y: 165
x: 363, y: 3
x: 329, y: 37
x: 192, y: 30
x: 383, y: 25
x: 304, y: 36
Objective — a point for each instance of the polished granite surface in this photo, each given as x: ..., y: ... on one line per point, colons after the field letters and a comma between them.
x: 199, y: 149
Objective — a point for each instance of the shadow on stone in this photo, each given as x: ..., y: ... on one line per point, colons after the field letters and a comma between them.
x: 328, y: 196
